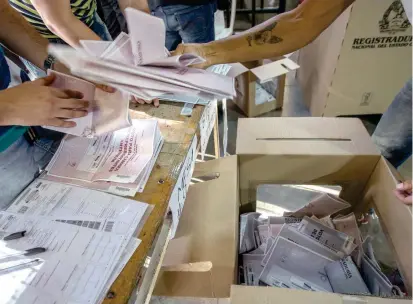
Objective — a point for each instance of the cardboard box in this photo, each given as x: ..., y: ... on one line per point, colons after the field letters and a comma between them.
x: 335, y: 151
x: 359, y: 63
x: 247, y: 75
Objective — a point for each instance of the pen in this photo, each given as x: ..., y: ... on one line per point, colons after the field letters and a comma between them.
x: 28, y: 252
x: 14, y: 236
x: 19, y: 265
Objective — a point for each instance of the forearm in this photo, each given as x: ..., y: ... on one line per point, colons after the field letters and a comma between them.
x: 279, y: 35
x: 20, y: 37
x: 141, y: 5
x: 71, y: 30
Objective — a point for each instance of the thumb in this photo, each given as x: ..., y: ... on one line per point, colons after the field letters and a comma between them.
x: 45, y: 81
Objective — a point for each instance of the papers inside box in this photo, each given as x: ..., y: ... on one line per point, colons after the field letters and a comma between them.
x: 366, y: 181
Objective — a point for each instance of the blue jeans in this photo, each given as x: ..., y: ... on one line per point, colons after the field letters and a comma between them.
x: 98, y: 27
x: 20, y: 164
x: 188, y: 24
x: 393, y: 135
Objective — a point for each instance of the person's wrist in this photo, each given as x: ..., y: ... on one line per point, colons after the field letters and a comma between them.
x: 49, y: 62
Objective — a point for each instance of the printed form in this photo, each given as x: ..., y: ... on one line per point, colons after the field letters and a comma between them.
x: 74, y: 268
x: 119, y: 162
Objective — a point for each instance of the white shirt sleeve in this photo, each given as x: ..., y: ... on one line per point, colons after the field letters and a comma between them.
x: 407, y: 4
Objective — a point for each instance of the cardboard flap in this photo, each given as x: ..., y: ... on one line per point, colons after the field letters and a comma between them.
x: 207, y: 233
x: 236, y: 69
x: 270, y: 295
x: 268, y: 71
x: 303, y: 135
x: 395, y: 217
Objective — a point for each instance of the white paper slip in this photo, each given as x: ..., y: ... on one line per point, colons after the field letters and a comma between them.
x: 138, y: 64
x: 222, y: 69
x: 118, y: 157
x: 45, y: 198
x: 107, y: 111
x: 292, y: 234
x: 329, y: 237
x: 78, y: 261
x: 345, y: 278
x: 293, y: 266
x: 124, y: 259
x: 206, y: 124
x: 122, y: 189
x: 252, y: 268
x: 178, y: 196
x: 187, y: 109
x: 321, y: 206
x: 248, y: 225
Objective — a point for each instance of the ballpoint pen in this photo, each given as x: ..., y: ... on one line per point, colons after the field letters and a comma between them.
x: 19, y: 265
x: 14, y: 236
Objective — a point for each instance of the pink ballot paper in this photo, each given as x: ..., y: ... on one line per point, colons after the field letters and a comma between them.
x: 138, y: 64
x: 119, y: 157
x: 108, y: 112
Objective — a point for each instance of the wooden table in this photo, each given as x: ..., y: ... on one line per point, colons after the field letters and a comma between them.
x: 178, y: 132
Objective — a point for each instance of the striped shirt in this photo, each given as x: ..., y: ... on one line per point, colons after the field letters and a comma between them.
x: 84, y: 10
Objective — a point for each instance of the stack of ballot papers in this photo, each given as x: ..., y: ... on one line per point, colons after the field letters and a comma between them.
x: 119, y: 162
x: 108, y: 112
x: 309, y: 250
x: 138, y: 63
x: 65, y: 244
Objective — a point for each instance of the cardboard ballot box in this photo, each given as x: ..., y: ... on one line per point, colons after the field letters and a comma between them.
x: 202, y: 261
x: 247, y: 74
x: 359, y: 63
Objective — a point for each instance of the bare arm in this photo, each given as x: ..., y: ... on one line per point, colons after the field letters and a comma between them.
x: 20, y: 37
x: 141, y: 5
x: 58, y: 17
x: 277, y: 36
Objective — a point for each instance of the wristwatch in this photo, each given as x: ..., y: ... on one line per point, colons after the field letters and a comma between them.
x: 49, y: 62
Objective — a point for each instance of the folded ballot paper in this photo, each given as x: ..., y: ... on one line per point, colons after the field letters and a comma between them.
x: 108, y: 112
x: 310, y: 250
x: 119, y: 162
x: 138, y: 64
x: 87, y: 237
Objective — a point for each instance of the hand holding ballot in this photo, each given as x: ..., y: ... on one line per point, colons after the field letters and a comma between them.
x: 39, y: 103
x: 138, y: 64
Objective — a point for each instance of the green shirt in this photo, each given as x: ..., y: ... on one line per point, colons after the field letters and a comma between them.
x: 9, y: 135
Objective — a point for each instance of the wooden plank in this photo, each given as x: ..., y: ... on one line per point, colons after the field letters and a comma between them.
x: 178, y: 132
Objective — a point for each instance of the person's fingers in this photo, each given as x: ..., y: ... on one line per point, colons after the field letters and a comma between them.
x: 148, y: 101
x: 57, y: 122
x: 407, y: 186
x: 156, y: 102
x: 63, y: 113
x: 72, y: 104
x: 45, y: 81
x: 404, y: 186
x: 138, y: 100
x: 74, y: 94
x: 105, y: 88
x: 403, y: 197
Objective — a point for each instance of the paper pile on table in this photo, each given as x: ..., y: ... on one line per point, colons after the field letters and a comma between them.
x: 119, y: 162
x: 303, y: 251
x: 138, y: 64
x: 88, y: 238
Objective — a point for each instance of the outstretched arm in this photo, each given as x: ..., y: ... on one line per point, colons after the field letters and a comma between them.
x: 59, y: 19
x: 277, y: 36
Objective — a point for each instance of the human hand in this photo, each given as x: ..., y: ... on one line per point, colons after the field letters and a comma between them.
x: 35, y: 103
x: 195, y: 49
x: 403, y: 192
x: 142, y: 101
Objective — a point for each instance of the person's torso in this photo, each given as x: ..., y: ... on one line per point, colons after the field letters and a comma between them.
x: 84, y: 10
x: 8, y: 134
